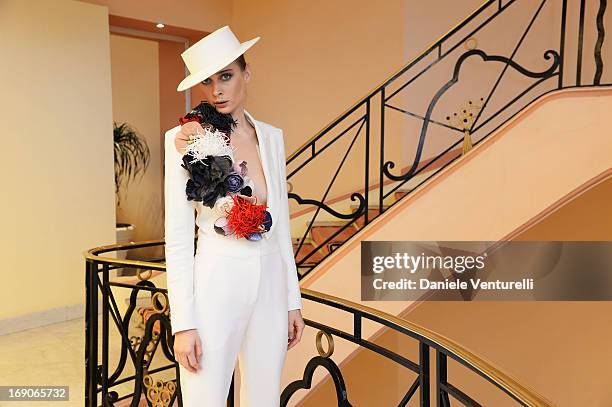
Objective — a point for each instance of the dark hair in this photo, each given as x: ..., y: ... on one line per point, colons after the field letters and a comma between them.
x: 241, y: 62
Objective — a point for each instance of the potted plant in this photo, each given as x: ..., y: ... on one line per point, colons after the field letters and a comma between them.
x: 132, y: 156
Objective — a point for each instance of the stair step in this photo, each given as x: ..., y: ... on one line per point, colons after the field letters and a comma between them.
x: 321, y: 230
x: 307, y: 247
x: 328, y: 223
x: 320, y: 234
x: 371, y: 207
x: 402, y: 192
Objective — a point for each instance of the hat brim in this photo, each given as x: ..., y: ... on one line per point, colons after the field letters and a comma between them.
x: 196, y: 77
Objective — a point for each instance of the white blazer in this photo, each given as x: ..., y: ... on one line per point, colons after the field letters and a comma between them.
x: 179, y: 222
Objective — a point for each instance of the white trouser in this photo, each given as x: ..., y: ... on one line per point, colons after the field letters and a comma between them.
x: 241, y: 310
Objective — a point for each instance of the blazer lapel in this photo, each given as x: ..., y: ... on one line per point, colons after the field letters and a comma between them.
x: 269, y: 166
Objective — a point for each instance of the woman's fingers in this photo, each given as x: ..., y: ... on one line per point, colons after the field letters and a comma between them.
x: 193, y: 363
x: 299, y: 330
x: 198, y: 350
x: 291, y: 329
x: 182, y: 359
x: 296, y: 327
x: 291, y: 342
x: 293, y: 336
x: 192, y: 128
x: 188, y: 350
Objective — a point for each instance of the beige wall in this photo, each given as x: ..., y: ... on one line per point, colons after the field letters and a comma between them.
x: 135, y: 80
x: 171, y: 72
x: 205, y: 15
x: 588, y: 217
x: 57, y: 164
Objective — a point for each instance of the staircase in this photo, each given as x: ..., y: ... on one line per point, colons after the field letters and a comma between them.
x: 433, y: 111
x: 537, y: 192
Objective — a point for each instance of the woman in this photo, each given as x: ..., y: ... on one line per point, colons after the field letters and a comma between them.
x: 236, y: 298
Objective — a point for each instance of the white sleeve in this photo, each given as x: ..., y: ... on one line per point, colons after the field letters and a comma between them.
x: 179, y: 227
x: 284, y: 234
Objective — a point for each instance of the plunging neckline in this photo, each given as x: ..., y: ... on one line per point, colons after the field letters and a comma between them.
x: 259, y: 155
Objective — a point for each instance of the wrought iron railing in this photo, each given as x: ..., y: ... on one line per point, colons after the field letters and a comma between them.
x: 454, y: 98
x: 128, y: 362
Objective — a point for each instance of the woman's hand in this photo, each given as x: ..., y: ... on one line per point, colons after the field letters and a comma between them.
x: 296, y: 327
x: 182, y: 137
x: 190, y: 128
x: 188, y: 349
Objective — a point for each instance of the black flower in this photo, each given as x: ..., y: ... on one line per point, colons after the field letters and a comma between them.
x: 205, y: 113
x: 207, y: 178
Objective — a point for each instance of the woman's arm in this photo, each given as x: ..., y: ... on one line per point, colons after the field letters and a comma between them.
x: 179, y: 225
x: 284, y: 233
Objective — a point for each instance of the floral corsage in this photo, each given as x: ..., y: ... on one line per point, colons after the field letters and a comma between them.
x: 216, y: 180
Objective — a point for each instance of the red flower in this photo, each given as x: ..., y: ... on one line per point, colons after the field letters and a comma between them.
x: 245, y: 218
x: 185, y: 119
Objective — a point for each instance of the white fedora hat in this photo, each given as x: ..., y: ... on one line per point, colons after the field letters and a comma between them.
x: 211, y: 54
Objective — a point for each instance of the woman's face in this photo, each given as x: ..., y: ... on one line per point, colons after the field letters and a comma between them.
x: 227, y: 86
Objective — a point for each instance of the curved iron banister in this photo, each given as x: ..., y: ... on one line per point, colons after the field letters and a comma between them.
x: 95, y: 254
x: 354, y: 197
x: 601, y: 34
x: 478, y: 364
x: 483, y: 55
x: 99, y: 379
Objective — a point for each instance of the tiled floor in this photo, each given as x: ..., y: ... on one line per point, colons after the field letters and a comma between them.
x: 50, y: 355
x: 55, y: 355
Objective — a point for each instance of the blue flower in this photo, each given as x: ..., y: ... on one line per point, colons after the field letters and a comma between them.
x: 234, y: 182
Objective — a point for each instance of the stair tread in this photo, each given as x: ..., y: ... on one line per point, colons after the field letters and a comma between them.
x: 320, y: 234
x: 305, y: 250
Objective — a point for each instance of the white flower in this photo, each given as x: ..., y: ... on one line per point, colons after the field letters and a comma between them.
x: 223, y: 205
x: 209, y: 143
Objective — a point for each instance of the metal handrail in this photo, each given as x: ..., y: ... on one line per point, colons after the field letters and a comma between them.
x: 523, y: 394
x: 444, y: 346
